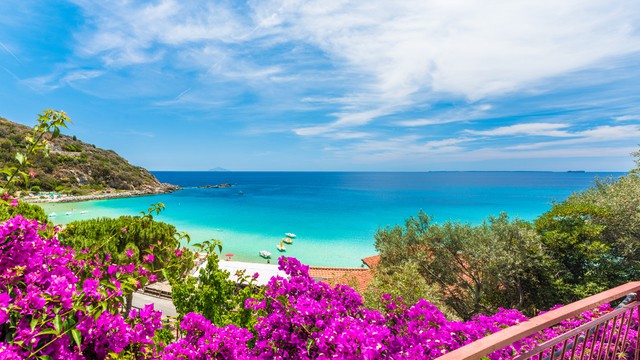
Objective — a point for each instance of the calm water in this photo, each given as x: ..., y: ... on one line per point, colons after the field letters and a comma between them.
x: 334, y: 214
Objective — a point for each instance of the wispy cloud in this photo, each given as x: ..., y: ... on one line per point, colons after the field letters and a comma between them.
x: 555, y: 153
x: 600, y: 134
x: 137, y: 133
x: 397, y: 54
x: 474, y: 50
x: 408, y: 147
x: 466, y: 113
x: 529, y: 129
x: 10, y: 52
x: 127, y: 32
x: 627, y: 118
x: 61, y: 78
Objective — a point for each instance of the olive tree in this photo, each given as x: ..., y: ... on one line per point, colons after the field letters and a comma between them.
x: 471, y: 269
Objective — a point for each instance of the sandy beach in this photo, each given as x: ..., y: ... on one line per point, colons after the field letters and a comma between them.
x: 99, y: 195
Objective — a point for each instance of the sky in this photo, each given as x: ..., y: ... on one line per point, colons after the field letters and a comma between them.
x: 337, y: 85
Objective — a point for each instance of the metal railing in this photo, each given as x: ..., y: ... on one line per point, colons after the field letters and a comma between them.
x: 603, y: 338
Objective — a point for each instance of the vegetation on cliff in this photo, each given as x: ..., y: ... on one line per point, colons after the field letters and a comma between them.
x: 72, y: 166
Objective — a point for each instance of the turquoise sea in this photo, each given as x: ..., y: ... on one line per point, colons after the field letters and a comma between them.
x: 334, y: 214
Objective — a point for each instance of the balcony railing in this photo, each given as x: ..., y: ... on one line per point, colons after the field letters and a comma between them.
x: 585, y: 342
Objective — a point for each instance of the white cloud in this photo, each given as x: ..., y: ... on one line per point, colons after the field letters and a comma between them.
x: 419, y: 122
x: 401, y: 148
x: 627, y: 118
x: 60, y: 78
x: 596, y: 142
x: 555, y: 153
x: 386, y: 56
x: 128, y: 32
x: 78, y: 75
x: 312, y: 130
x: 611, y: 133
x: 131, y: 132
x: 456, y: 115
x: 13, y: 55
x: 349, y: 135
x: 601, y: 134
x: 345, y: 119
x: 530, y: 129
x: 409, y: 49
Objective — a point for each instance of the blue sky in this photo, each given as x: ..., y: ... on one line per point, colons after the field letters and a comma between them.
x: 333, y: 85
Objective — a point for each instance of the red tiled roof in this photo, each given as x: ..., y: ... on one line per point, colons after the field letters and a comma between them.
x: 358, y: 278
x: 372, y: 261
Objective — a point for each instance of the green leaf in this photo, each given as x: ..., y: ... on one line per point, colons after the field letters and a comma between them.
x: 77, y: 337
x: 57, y: 323
x: 49, y: 332
x: 20, y: 157
x: 25, y: 177
x: 33, y: 323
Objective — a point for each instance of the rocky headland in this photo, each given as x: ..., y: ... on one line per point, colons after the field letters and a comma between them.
x: 75, y: 170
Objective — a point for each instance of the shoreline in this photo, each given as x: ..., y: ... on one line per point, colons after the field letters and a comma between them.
x: 99, y: 195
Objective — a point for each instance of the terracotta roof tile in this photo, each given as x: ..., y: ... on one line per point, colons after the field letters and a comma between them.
x: 372, y: 261
x: 358, y: 278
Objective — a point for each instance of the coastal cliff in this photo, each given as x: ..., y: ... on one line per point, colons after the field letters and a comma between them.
x: 77, y: 169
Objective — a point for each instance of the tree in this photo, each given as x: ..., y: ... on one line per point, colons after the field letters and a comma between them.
x: 594, y: 235
x: 213, y: 294
x: 475, y: 269
x: 403, y: 281
x: 47, y: 128
x: 29, y: 211
x: 132, y: 239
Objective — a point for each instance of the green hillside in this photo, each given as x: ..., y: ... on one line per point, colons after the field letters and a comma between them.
x: 75, y: 167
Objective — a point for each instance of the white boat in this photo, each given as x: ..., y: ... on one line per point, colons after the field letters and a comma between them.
x: 265, y: 254
x: 287, y: 240
x: 52, y: 214
x: 68, y: 213
x: 291, y: 235
x: 281, y: 247
x: 83, y: 212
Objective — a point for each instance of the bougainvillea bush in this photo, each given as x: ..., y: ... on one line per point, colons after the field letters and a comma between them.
x: 59, y: 304
x: 55, y: 304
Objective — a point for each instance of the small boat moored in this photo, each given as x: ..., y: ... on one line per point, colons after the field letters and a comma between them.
x: 281, y: 247
x: 291, y: 235
x: 287, y: 240
x: 265, y: 254
x: 52, y: 214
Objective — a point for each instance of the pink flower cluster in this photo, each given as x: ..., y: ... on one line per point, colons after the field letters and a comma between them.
x: 308, y: 320
x: 7, y: 198
x: 53, y: 304
x: 303, y: 319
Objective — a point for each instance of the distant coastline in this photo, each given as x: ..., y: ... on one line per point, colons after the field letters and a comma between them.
x: 100, y: 195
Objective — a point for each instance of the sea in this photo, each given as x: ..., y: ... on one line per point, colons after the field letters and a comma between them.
x: 334, y: 215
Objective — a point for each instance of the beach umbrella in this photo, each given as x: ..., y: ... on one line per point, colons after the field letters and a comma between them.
x: 229, y: 256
